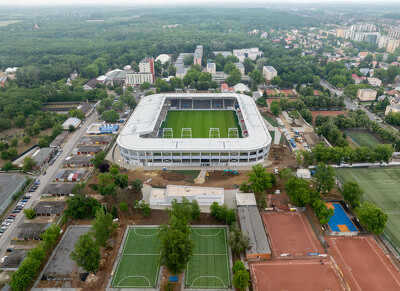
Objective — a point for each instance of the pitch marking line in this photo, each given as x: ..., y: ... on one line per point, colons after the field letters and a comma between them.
x: 206, y: 235
x: 134, y: 276
x: 223, y: 284
x: 347, y: 265
x: 383, y: 262
x: 308, y: 233
x: 134, y: 230
x: 123, y: 250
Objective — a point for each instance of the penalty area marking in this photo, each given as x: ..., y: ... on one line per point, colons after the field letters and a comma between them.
x: 207, y: 235
x: 215, y: 277
x: 134, y: 230
x: 134, y: 276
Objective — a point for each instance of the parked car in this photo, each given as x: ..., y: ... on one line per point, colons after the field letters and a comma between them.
x: 5, y: 223
x: 16, y: 211
x: 3, y: 227
x: 9, y: 220
x: 25, y: 199
x: 3, y: 259
x: 13, y: 215
x: 10, y: 250
x: 2, y: 230
x: 44, y: 173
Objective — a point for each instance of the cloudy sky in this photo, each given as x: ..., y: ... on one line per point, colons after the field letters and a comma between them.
x: 136, y: 2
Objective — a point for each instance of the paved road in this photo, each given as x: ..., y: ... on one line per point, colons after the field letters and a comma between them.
x: 45, y: 180
x: 331, y: 88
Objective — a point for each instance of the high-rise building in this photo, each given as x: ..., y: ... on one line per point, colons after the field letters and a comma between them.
x: 147, y: 66
x: 198, y: 55
x: 269, y: 72
x: 394, y: 33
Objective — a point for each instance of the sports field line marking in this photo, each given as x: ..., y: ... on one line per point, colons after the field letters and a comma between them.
x: 123, y: 250
x: 355, y: 177
x: 269, y: 236
x: 135, y: 276
x: 347, y: 265
x: 227, y: 256
x: 140, y: 254
x: 207, y: 235
x: 308, y: 233
x: 134, y: 230
x: 209, y: 254
x: 223, y: 284
x: 382, y: 261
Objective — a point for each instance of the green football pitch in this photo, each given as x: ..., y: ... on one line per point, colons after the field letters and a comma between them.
x: 200, y: 122
x: 138, y: 266
x: 382, y: 187
x: 209, y: 266
x: 363, y: 139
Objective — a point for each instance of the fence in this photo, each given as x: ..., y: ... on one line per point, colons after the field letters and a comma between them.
x: 315, y: 224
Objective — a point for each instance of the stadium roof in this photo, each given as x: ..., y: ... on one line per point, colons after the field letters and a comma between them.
x: 163, y: 58
x: 145, y: 116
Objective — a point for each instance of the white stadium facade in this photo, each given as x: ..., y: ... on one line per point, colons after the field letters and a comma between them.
x: 142, y: 141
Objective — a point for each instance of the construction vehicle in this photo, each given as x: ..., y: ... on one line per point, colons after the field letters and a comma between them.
x: 207, y: 176
x: 230, y: 171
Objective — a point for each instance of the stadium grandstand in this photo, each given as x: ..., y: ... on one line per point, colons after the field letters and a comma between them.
x: 195, y: 129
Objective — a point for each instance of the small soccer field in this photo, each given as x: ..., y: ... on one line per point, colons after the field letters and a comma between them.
x: 200, y: 122
x: 363, y: 139
x: 382, y: 187
x: 209, y: 266
x: 138, y: 266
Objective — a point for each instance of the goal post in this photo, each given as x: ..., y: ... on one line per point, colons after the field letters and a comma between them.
x: 214, y: 133
x: 233, y: 132
x: 168, y: 133
x: 186, y: 133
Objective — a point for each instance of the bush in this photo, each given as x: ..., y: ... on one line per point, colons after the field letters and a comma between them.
x: 241, y: 279
x: 29, y: 213
x: 238, y: 266
x: 123, y: 207
x: 223, y: 213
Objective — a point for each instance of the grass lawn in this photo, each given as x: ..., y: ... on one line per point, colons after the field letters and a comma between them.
x: 138, y: 266
x: 200, y: 121
x: 209, y: 267
x: 272, y: 133
x: 382, y: 187
x: 270, y: 120
x: 363, y: 139
x: 193, y: 174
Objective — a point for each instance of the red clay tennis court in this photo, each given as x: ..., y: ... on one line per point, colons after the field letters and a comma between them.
x: 299, y: 275
x: 291, y: 233
x: 364, y: 264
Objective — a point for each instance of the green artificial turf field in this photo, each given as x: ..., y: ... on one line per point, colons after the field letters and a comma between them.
x: 363, y: 139
x: 138, y: 266
x: 200, y: 122
x: 209, y: 266
x: 382, y: 187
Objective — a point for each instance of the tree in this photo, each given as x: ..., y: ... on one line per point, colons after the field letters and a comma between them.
x: 19, y: 121
x: 103, y: 226
x: 248, y: 66
x: 87, y: 253
x: 26, y: 139
x: 383, y: 152
x: 256, y: 76
x: 71, y: 128
x: 259, y: 179
x: 352, y: 193
x: 298, y: 191
x: 29, y: 213
x: 238, y: 241
x: 195, y: 210
x: 234, y: 77
x: 286, y: 174
x: 325, y: 176
x: 80, y: 207
x: 7, y: 166
x: 14, y: 142
x: 119, y: 105
x: 49, y: 237
x: 275, y: 108
x: 123, y: 207
x: 98, y: 159
x: 372, y: 217
x: 241, y: 279
x: 29, y: 162
x: 181, y: 210
x: 137, y: 185
x: 121, y: 180
x: 229, y: 67
x: 176, y: 248
x: 238, y: 266
x: 145, y: 208
x: 110, y: 116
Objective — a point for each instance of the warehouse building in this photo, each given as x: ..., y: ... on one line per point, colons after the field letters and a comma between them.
x: 50, y: 208
x: 13, y: 260
x: 252, y: 225
x: 72, y: 175
x: 78, y: 161
x: 95, y: 139
x: 42, y: 156
x: 88, y: 150
x: 203, y: 195
x: 58, y: 189
x: 31, y: 231
x: 75, y: 122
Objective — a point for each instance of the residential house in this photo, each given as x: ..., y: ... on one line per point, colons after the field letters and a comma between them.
x: 211, y: 68
x: 226, y: 89
x: 269, y: 72
x: 392, y: 109
x: 357, y: 79
x: 240, y: 66
x: 374, y: 82
x: 366, y: 94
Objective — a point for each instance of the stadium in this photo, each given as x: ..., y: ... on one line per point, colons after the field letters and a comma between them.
x: 195, y: 129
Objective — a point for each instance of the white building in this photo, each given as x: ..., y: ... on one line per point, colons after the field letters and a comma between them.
x: 211, y: 68
x: 303, y: 173
x: 163, y: 58
x: 269, y: 72
x: 374, y: 82
x: 203, y: 195
x: 252, y: 53
x: 133, y: 79
x: 240, y: 66
x: 75, y: 122
x: 181, y: 72
x: 142, y: 143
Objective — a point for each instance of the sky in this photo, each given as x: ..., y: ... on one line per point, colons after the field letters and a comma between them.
x: 169, y: 2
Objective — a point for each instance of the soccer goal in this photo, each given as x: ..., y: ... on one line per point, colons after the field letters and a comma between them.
x: 233, y: 132
x: 168, y: 133
x: 214, y: 133
x: 186, y: 133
